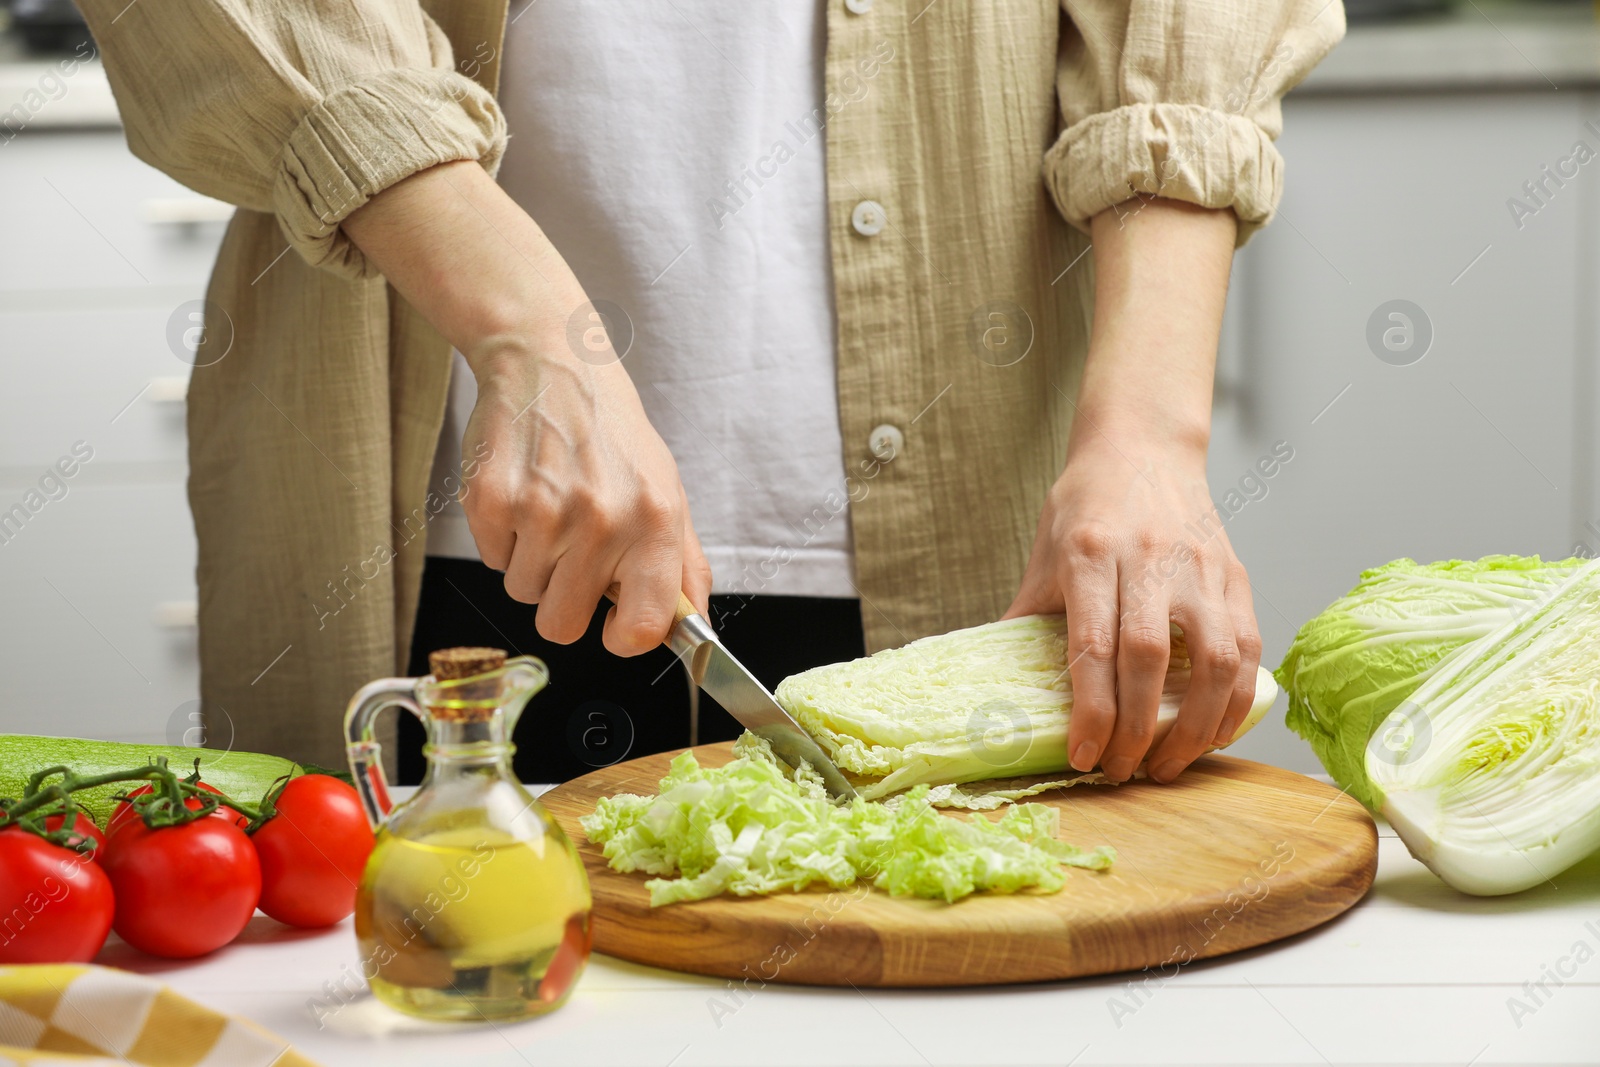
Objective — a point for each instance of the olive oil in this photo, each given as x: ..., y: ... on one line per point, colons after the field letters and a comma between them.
x: 471, y: 922
x: 474, y: 904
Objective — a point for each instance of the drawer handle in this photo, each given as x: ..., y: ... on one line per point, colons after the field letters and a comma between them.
x: 185, y: 210
x: 170, y: 390
x: 177, y: 614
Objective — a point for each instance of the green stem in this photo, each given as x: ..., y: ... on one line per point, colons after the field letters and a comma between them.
x: 38, y: 795
x: 166, y: 805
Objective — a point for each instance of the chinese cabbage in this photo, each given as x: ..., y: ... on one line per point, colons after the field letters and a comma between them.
x: 1490, y: 771
x: 990, y: 701
x: 1358, y: 660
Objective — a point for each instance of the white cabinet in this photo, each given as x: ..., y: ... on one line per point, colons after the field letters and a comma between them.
x: 83, y: 213
x: 105, y: 376
x: 97, y: 576
x: 92, y: 648
x: 1482, y: 445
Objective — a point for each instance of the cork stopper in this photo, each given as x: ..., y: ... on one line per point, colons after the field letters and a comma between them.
x: 455, y: 664
x: 451, y: 664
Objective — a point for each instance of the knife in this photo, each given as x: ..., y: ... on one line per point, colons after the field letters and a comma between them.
x: 715, y: 670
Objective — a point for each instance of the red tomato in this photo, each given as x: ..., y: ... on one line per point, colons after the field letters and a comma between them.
x: 124, y: 811
x: 565, y: 965
x: 313, y: 852
x: 83, y: 828
x: 55, y: 904
x: 181, y: 890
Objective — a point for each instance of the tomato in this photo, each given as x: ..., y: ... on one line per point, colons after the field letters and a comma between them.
x: 568, y: 961
x: 83, y: 828
x: 124, y: 811
x: 55, y: 904
x: 313, y: 852
x: 181, y: 890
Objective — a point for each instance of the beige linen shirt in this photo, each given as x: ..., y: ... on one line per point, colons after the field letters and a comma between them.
x: 985, y: 134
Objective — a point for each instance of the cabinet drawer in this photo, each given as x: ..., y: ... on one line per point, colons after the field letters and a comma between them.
x: 86, y: 214
x: 89, y: 583
x: 105, y: 377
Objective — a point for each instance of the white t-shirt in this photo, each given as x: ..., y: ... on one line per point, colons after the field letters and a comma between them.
x: 673, y: 152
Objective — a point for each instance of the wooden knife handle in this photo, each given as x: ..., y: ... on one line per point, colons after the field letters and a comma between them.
x: 685, y: 609
x: 685, y: 605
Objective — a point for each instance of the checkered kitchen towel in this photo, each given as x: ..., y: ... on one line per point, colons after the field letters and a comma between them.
x: 82, y: 1016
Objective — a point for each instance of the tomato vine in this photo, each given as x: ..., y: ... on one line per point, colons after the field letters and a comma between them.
x: 169, y: 801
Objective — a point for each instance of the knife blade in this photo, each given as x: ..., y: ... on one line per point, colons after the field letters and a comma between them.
x: 716, y: 671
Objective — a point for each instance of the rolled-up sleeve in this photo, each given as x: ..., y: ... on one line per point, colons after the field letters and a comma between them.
x: 1180, y: 99
x: 300, y: 108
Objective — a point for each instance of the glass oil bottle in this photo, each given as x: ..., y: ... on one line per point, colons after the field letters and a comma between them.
x: 474, y: 903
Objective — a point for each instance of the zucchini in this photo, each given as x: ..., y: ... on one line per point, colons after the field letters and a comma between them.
x: 245, y: 776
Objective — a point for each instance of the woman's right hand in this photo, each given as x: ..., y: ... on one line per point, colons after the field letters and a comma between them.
x: 576, y: 491
x: 573, y: 490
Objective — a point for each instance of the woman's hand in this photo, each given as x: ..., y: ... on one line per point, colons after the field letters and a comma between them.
x: 1128, y: 541
x: 573, y: 488
x: 580, y: 492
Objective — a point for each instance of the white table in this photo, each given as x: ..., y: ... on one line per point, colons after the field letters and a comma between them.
x: 1416, y: 974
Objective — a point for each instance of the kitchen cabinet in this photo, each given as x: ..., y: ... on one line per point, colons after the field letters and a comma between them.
x: 1484, y: 443
x: 105, y: 257
x: 104, y: 578
x: 87, y: 215
x: 103, y: 375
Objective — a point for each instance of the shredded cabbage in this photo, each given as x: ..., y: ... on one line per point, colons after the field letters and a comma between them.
x: 750, y: 828
x: 990, y: 701
x: 1353, y: 664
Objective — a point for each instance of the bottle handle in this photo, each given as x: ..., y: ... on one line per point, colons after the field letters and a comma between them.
x: 361, y: 743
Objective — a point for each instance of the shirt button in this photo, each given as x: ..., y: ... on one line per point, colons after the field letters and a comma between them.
x: 867, y: 218
x: 886, y: 442
x: 858, y: 7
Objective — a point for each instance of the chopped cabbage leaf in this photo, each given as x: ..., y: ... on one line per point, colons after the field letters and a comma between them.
x: 991, y: 701
x: 749, y: 827
x: 953, y: 796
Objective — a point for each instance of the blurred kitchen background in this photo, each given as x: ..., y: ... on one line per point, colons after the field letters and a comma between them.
x: 1462, y: 427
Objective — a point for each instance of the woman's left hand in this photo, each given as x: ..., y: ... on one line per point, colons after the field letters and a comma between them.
x: 1129, y: 542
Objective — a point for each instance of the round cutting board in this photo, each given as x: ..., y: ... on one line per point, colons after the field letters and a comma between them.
x: 1232, y: 855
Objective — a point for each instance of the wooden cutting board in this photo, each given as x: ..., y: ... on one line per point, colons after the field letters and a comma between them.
x: 1232, y: 855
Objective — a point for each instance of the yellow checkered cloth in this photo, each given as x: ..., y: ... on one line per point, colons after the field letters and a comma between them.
x: 81, y: 1015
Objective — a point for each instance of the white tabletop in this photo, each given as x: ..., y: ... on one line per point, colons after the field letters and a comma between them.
x: 1415, y: 974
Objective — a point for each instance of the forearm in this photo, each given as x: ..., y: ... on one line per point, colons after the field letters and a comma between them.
x: 580, y: 494
x: 1115, y: 549
x: 467, y: 257
x: 1161, y: 278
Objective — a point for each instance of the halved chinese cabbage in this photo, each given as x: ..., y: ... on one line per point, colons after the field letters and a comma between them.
x: 1353, y: 664
x: 1490, y: 771
x: 990, y: 701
